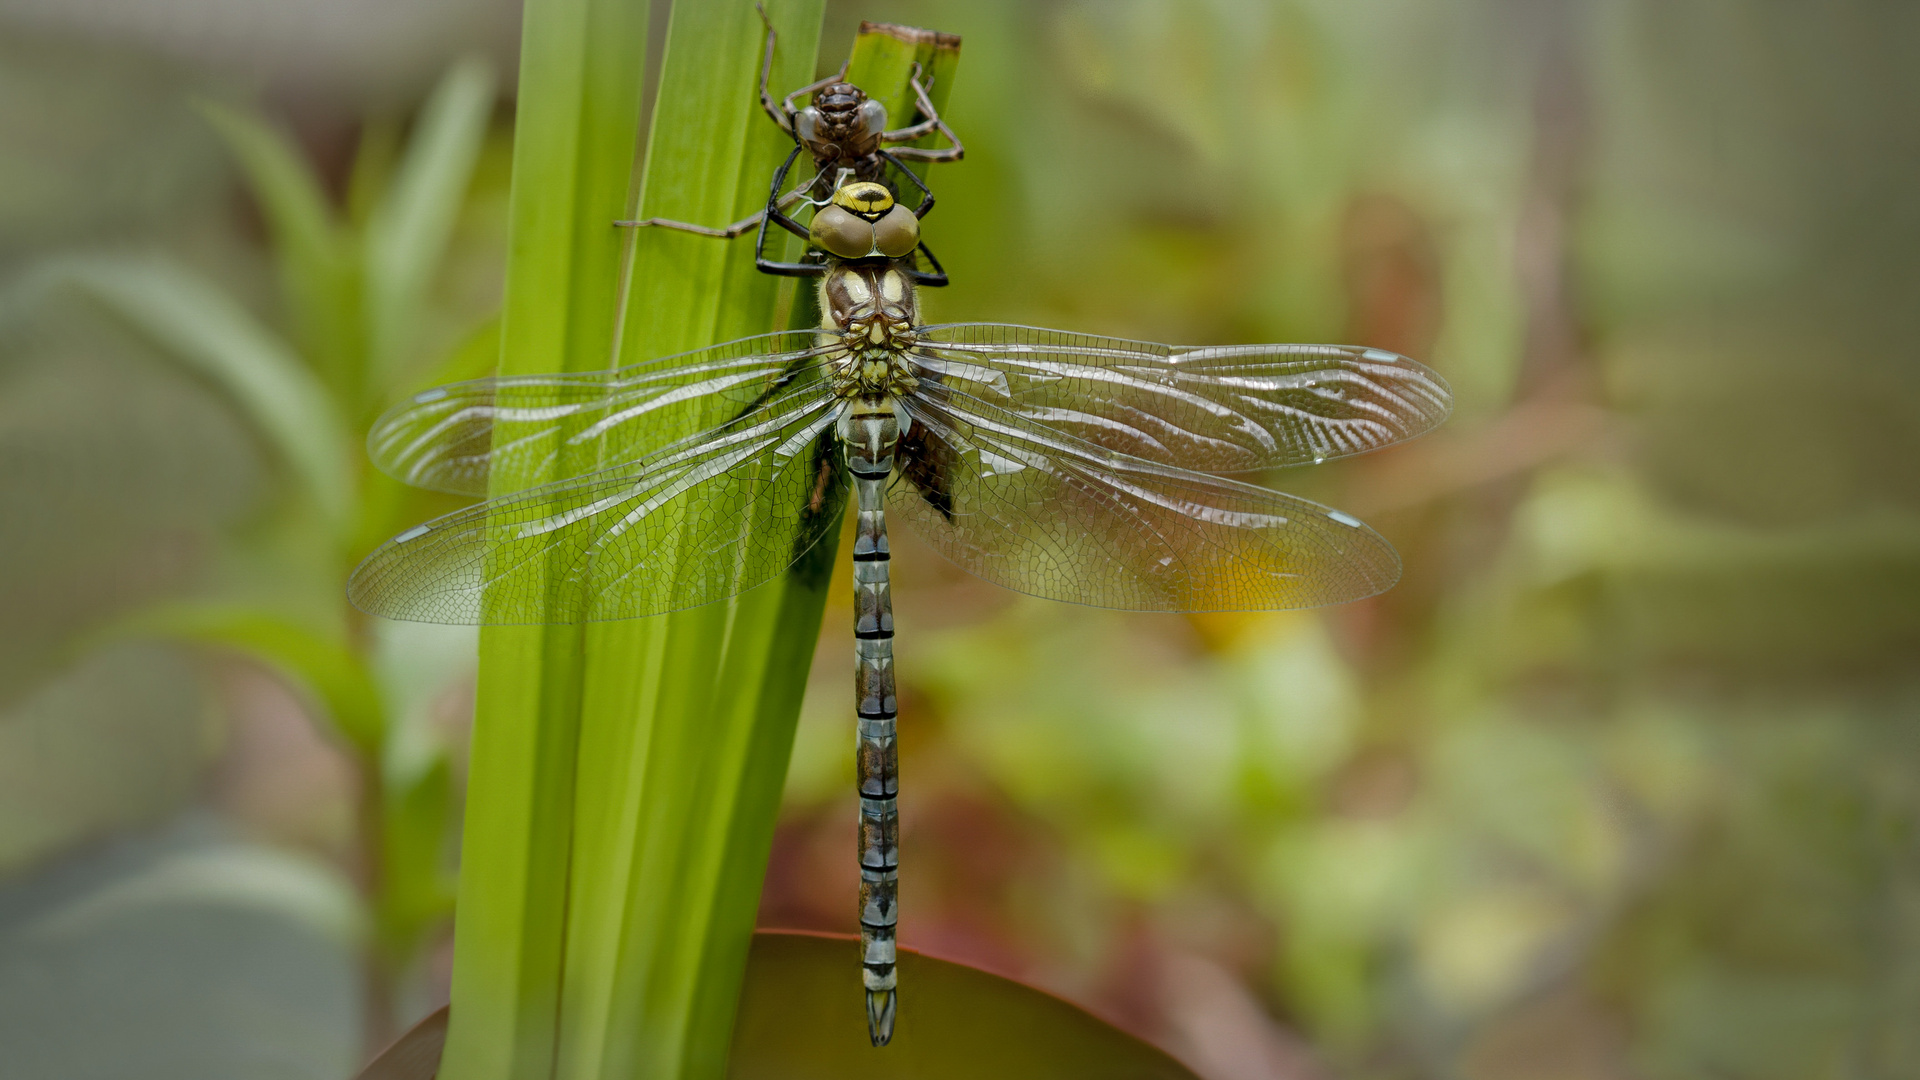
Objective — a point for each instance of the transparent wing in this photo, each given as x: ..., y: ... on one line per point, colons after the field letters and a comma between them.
x: 1043, y: 512
x: 694, y: 522
x: 1219, y: 409
x: 450, y: 438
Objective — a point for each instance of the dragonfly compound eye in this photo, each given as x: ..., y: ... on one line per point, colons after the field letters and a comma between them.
x: 841, y: 233
x: 862, y: 222
x: 897, y: 232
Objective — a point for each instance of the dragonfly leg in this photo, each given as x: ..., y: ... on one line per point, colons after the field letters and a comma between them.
x: 774, y: 216
x: 878, y: 758
x: 926, y: 193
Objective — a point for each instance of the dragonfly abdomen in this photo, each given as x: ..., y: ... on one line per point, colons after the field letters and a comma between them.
x: 871, y: 433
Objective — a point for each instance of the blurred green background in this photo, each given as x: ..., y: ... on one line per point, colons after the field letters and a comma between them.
x: 1622, y: 781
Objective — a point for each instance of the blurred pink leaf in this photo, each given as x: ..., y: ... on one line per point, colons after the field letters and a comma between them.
x: 802, y: 1016
x: 317, y: 662
x: 413, y: 1056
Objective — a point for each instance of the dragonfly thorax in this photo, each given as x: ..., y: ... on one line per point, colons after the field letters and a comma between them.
x: 874, y: 301
x: 870, y: 306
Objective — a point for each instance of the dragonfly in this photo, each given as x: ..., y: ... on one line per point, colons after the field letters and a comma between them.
x: 845, y: 133
x: 1069, y: 466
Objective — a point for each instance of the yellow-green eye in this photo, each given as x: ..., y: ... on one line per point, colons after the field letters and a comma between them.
x: 838, y: 232
x: 897, y: 232
x: 865, y: 198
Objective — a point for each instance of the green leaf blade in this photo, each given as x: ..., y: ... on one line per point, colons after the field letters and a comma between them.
x: 667, y: 889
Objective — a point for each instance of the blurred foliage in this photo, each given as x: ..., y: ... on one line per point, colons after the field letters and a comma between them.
x: 190, y: 475
x: 180, y: 956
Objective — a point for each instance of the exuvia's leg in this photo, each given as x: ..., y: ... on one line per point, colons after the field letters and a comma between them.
x: 783, y: 118
x: 728, y: 232
x: 738, y: 228
x: 953, y: 151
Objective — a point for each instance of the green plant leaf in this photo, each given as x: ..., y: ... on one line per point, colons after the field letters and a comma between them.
x: 317, y: 265
x: 375, y: 160
x: 199, y: 325
x: 407, y: 230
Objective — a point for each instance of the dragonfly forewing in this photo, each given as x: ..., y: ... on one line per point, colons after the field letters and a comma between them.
x: 455, y: 438
x: 1041, y: 511
x: 695, y: 522
x: 1217, y: 409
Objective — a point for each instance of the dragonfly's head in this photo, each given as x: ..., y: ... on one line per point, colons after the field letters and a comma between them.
x: 843, y: 122
x: 863, y: 222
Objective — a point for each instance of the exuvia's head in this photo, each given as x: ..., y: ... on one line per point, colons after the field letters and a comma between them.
x: 842, y: 122
x: 863, y: 222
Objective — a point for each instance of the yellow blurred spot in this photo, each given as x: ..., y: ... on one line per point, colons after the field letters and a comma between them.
x: 1221, y: 631
x: 1478, y: 949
